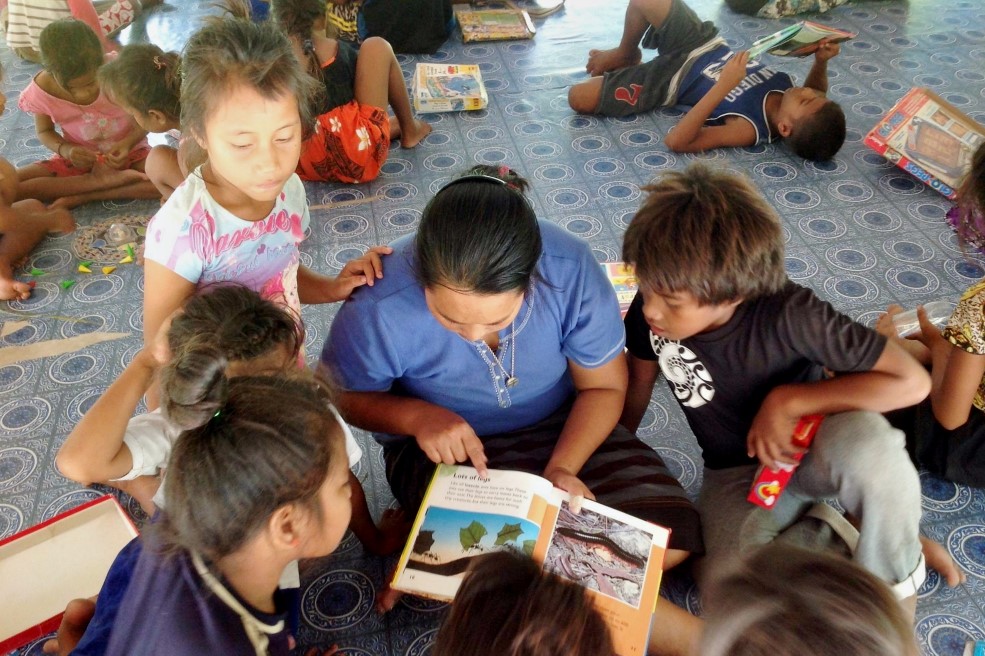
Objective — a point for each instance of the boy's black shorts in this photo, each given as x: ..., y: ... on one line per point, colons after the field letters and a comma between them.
x: 643, y: 87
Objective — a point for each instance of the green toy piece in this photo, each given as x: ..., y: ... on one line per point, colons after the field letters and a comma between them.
x: 129, y: 250
x: 65, y: 284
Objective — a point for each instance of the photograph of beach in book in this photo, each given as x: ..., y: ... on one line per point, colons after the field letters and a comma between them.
x: 600, y: 553
x: 449, y: 539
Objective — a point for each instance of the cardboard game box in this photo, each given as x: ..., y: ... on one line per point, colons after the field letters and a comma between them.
x: 929, y: 138
x: 46, y: 566
x: 769, y: 485
x: 623, y: 280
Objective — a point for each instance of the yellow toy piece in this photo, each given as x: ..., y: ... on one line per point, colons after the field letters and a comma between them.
x: 109, y: 269
x: 84, y: 269
x: 127, y: 260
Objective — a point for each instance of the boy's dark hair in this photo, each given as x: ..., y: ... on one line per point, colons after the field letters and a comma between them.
x: 237, y: 322
x: 786, y: 600
x: 250, y: 445
x: 479, y: 234
x: 228, y: 52
x: 69, y: 49
x: 144, y: 77
x: 821, y: 135
x: 509, y: 606
x: 707, y: 232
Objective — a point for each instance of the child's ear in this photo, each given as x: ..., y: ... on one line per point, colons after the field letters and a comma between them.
x: 784, y: 127
x: 285, y: 527
x: 157, y: 117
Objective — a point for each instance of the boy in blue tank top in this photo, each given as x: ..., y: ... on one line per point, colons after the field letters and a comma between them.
x: 733, y: 102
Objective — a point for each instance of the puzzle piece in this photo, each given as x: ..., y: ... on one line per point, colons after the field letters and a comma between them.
x: 108, y: 269
x: 127, y: 260
x: 84, y: 269
x: 66, y: 284
x: 37, y: 272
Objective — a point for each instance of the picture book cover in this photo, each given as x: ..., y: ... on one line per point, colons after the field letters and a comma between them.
x: 798, y: 40
x: 616, y: 557
x: 929, y: 138
x: 499, y: 24
x: 623, y: 280
x: 448, y: 88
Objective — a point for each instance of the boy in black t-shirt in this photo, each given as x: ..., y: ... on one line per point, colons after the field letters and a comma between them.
x: 744, y: 351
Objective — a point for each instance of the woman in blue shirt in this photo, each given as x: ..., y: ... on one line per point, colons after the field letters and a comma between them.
x: 495, y: 339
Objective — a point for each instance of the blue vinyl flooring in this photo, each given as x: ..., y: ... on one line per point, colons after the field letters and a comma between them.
x: 859, y: 232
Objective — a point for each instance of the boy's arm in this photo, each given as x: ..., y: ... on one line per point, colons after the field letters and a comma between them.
x: 642, y: 376
x: 817, y: 78
x: 691, y: 135
x: 895, y: 381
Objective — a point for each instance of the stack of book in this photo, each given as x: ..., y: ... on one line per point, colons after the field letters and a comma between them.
x: 448, y: 88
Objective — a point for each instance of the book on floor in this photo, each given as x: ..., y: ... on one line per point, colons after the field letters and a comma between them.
x: 63, y: 558
x: 538, y: 8
x: 623, y: 280
x: 616, y: 557
x: 797, y: 40
x: 448, y: 88
x: 929, y: 138
x: 493, y: 24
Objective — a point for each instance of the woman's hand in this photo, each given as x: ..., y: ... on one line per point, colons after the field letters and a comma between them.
x: 445, y: 437
x: 565, y: 480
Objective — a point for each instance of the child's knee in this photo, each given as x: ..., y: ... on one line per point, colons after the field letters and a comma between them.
x: 584, y: 96
x: 376, y: 46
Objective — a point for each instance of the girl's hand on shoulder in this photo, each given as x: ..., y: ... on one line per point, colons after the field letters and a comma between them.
x: 363, y: 270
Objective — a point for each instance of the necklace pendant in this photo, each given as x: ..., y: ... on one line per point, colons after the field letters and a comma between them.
x: 511, y: 381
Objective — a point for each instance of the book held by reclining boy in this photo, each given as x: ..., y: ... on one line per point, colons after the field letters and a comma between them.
x: 797, y: 40
x: 617, y: 557
x: 929, y: 138
x: 448, y: 88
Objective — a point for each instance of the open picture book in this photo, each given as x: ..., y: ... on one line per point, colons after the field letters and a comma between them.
x: 616, y: 557
x: 797, y: 40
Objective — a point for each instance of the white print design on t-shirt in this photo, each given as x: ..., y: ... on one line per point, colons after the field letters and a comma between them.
x: 689, y: 379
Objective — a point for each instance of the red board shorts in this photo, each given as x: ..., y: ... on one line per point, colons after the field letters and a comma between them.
x: 62, y: 167
x: 350, y: 144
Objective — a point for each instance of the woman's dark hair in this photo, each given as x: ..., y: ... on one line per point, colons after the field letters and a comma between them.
x: 479, y: 234
x: 229, y: 52
x: 508, y: 606
x: 144, y: 77
x: 787, y: 600
x: 250, y: 445
x: 297, y: 18
x: 235, y: 323
x: 69, y: 49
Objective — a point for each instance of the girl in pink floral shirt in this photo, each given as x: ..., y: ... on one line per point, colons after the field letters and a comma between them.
x: 99, y: 150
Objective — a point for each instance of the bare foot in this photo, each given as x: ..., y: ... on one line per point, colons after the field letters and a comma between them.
x: 77, y: 616
x: 391, y: 534
x: 14, y: 290
x: 394, y: 128
x: 416, y: 131
x: 63, y: 221
x: 938, y: 558
x: 602, y: 61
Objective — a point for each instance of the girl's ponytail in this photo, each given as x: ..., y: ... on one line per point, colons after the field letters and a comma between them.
x: 194, y: 384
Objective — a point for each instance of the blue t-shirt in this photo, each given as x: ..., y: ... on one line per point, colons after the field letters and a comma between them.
x: 747, y: 99
x: 169, y: 610
x: 386, y: 339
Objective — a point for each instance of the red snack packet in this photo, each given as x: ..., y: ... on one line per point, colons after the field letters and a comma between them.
x: 769, y: 485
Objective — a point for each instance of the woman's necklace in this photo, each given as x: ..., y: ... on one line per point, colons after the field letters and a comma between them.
x: 511, y: 379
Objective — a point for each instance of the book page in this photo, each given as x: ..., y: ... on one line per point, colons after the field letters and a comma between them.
x: 759, y: 46
x: 464, y: 516
x: 616, y: 557
x: 804, y: 41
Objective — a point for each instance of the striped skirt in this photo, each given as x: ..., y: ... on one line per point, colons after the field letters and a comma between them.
x: 623, y: 473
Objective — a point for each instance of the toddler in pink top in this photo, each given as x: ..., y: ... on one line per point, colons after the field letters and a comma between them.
x: 99, y: 151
